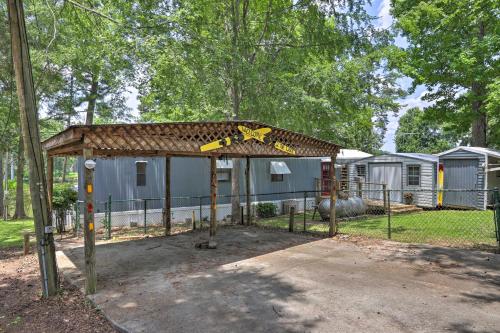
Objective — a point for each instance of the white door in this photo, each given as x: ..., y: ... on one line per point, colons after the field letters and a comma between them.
x: 389, y: 174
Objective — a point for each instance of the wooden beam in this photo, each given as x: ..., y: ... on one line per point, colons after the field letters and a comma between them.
x: 333, y: 199
x: 247, y: 188
x: 89, y: 226
x: 167, y: 216
x: 50, y: 179
x: 213, y: 202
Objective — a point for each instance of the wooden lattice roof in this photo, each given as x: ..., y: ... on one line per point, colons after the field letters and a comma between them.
x: 187, y: 139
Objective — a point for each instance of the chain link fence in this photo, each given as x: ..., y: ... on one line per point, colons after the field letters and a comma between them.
x: 462, y: 218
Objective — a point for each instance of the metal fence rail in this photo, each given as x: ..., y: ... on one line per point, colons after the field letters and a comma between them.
x: 363, y: 212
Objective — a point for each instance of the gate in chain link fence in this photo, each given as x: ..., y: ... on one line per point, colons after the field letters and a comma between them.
x: 367, y: 212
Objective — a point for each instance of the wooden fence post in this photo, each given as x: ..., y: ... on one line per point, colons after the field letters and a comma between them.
x: 26, y: 243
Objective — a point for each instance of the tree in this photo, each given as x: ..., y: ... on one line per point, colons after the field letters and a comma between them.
x: 20, y: 212
x: 453, y: 50
x: 416, y: 134
x: 317, y: 67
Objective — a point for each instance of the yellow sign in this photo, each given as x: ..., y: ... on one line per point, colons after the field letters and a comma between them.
x: 248, y: 133
x: 91, y: 226
x: 256, y: 134
x: 280, y: 146
x: 89, y: 188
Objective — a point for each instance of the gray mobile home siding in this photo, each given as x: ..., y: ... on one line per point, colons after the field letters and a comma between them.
x: 479, y: 176
x: 424, y: 195
x: 190, y: 177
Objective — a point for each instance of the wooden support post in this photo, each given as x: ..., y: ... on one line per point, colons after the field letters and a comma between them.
x: 50, y: 179
x: 213, y: 202
x: 88, y: 226
x: 247, y: 188
x: 333, y: 199
x: 167, y: 215
x: 26, y: 243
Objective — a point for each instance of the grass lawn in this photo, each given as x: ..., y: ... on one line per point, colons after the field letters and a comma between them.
x: 11, y: 232
x: 446, y: 227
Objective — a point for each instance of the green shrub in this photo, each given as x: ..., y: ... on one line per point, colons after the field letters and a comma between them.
x: 63, y: 199
x: 266, y: 209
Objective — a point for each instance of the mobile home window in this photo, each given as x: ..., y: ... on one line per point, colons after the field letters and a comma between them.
x: 224, y: 175
x: 361, y: 170
x: 276, y: 177
x: 413, y: 175
x: 140, y: 167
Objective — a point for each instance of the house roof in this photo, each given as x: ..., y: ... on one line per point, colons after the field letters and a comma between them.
x: 417, y: 156
x: 349, y: 154
x: 477, y: 150
x: 420, y: 156
x: 210, y: 138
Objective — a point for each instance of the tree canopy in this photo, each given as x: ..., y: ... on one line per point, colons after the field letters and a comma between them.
x: 453, y: 51
x: 416, y: 134
x: 317, y: 67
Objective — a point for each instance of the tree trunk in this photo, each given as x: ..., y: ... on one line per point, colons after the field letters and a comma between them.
x: 1, y: 185
x: 89, y: 120
x: 235, y: 100
x: 65, y: 166
x: 31, y: 138
x: 479, y: 123
x: 20, y: 212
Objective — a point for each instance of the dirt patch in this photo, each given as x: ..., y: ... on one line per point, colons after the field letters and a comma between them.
x: 23, y: 310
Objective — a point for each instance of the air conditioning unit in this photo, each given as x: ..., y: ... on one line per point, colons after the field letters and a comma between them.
x: 290, y: 203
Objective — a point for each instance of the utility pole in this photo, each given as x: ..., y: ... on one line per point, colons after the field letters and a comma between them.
x: 33, y: 147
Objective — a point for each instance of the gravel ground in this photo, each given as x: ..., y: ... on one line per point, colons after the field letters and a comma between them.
x: 23, y: 310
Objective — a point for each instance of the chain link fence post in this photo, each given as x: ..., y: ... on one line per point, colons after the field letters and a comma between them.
x: 305, y: 210
x: 145, y: 215
x: 201, y: 213
x: 496, y: 215
x: 109, y: 217
x: 290, y: 221
x: 388, y: 200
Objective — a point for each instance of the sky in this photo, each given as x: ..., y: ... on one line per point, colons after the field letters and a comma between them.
x: 381, y: 9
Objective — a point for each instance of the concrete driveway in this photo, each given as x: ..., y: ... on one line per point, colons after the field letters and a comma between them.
x: 269, y: 281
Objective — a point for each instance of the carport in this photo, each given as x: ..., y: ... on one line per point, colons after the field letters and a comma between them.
x: 214, y: 140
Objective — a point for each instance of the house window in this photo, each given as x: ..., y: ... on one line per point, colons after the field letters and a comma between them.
x: 140, y: 167
x: 224, y: 175
x: 224, y: 170
x: 278, y: 169
x: 413, y: 175
x: 276, y: 177
x: 361, y: 170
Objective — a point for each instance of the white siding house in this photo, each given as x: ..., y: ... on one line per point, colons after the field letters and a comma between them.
x: 402, y: 173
